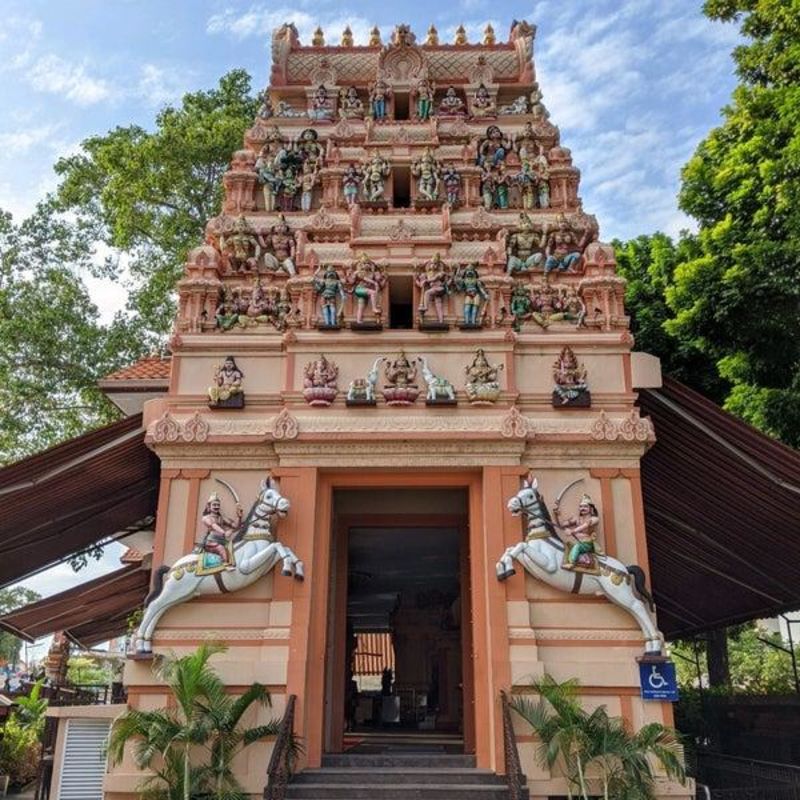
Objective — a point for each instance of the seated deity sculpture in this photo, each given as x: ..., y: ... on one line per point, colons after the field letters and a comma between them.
x: 319, y: 382
x: 321, y: 105
x: 401, y: 390
x: 563, y: 247
x: 494, y: 147
x: 482, y: 103
x: 241, y: 246
x: 350, y: 105
x: 569, y: 378
x: 482, y: 384
x: 451, y: 105
x: 281, y: 248
x: 226, y: 391
x: 523, y: 247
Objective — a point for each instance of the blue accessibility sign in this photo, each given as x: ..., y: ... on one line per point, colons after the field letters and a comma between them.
x: 658, y: 680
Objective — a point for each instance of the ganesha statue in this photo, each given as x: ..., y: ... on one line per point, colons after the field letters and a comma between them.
x: 319, y: 382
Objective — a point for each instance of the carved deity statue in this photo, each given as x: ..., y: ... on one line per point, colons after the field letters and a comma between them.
x: 379, y: 95
x: 319, y: 382
x: 569, y: 377
x: 241, y: 247
x: 451, y: 105
x: 227, y: 311
x: 308, y: 149
x: 265, y: 111
x: 468, y: 282
x: 523, y: 251
x: 423, y: 93
x: 501, y: 182
x: 283, y: 108
x: 538, y: 109
x: 533, y: 180
x: 227, y: 391
x: 308, y: 181
x: 329, y: 289
x: 525, y: 142
x: 493, y: 147
x: 521, y: 305
x: 400, y: 376
x: 482, y: 103
x: 351, y: 181
x: 482, y: 384
x: 373, y: 183
x: 427, y: 170
x: 563, y: 247
x: 451, y: 178
x: 365, y: 279
x: 581, y: 552
x: 321, y: 107
x: 488, y: 186
x: 433, y: 279
x: 265, y: 172
x: 519, y: 106
x: 218, y: 532
x: 281, y: 248
x: 350, y: 104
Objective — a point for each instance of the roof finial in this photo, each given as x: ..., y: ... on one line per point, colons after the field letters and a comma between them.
x: 347, y: 37
x: 433, y: 36
x: 318, y: 40
x: 461, y: 35
x: 488, y: 34
x: 375, y: 37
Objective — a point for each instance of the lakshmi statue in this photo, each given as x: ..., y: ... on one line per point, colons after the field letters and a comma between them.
x: 321, y: 105
x: 281, y: 248
x: 319, y: 382
x: 226, y: 391
x: 379, y: 94
x: 373, y: 184
x: 451, y: 105
x: 330, y: 291
x: 241, y: 247
x: 400, y: 376
x: 571, y: 388
x: 365, y: 280
x: 523, y: 247
x: 351, y: 180
x: 451, y: 179
x: 483, y: 386
x: 433, y: 279
x: 427, y: 170
x: 563, y: 248
x: 467, y: 281
x: 350, y: 105
x: 482, y: 104
x: 424, y: 92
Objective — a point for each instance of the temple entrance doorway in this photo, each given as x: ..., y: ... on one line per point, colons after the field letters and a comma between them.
x: 401, y: 671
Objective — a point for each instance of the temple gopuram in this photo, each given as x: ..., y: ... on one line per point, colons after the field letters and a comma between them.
x: 399, y: 444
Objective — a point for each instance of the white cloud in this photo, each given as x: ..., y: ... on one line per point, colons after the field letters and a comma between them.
x: 55, y: 75
x: 158, y: 86
x: 19, y: 142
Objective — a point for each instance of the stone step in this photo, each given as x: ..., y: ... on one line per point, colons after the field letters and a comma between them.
x: 398, y: 775
x: 400, y: 791
x: 401, y: 761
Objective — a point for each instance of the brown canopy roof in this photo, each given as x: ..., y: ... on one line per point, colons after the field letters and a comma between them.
x: 89, y: 614
x: 722, y: 507
x: 64, y: 499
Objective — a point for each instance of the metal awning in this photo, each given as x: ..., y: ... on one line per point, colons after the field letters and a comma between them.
x: 722, y: 508
x: 71, y: 496
x: 89, y: 614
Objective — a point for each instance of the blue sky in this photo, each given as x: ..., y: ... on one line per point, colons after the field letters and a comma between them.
x: 633, y: 84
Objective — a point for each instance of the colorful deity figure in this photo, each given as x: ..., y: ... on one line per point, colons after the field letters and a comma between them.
x: 350, y: 104
x: 226, y: 391
x: 433, y: 279
x: 494, y: 147
x: 219, y: 532
x: 373, y: 183
x: 451, y: 178
x: 424, y: 92
x: 427, y: 171
x: 259, y: 307
x: 227, y: 311
x: 307, y: 183
x: 581, y: 553
x: 525, y: 142
x: 523, y: 251
x: 401, y: 374
x: 351, y: 180
x: 488, y: 186
x: 482, y: 384
x: 365, y: 279
x: 451, y: 105
x: 521, y: 305
x: 482, y: 103
x: 519, y: 106
x: 542, y: 169
x: 265, y: 173
x: 379, y: 95
x: 308, y: 149
x: 241, y: 247
x: 319, y: 382
x: 570, y: 305
x: 329, y: 289
x: 286, y: 179
x: 265, y: 110
x: 281, y: 248
x: 468, y: 282
x: 563, y: 248
x: 501, y: 181
x: 321, y: 105
x: 569, y: 380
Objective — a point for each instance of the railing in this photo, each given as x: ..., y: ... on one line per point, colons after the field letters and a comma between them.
x: 514, y: 775
x: 280, y: 764
x: 735, y: 778
x: 85, y: 694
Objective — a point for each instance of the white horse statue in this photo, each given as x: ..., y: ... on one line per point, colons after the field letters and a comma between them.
x: 255, y: 552
x: 541, y: 553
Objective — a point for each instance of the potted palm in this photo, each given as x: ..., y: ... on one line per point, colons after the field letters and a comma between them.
x: 189, y: 750
x: 592, y: 748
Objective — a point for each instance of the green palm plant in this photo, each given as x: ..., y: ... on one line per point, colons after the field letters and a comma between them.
x: 189, y: 750
x: 583, y: 744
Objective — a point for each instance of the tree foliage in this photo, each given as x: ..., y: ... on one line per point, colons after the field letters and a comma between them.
x: 10, y: 599
x: 737, y: 299
x: 149, y: 194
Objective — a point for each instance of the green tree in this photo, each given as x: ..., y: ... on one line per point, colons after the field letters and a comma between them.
x: 149, y: 194
x: 10, y: 599
x: 584, y: 744
x: 53, y: 348
x: 738, y: 298
x: 205, y: 727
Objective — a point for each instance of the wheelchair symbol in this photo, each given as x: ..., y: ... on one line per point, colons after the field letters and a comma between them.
x: 656, y: 679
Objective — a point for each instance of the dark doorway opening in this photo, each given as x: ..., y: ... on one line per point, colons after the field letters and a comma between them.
x: 401, y: 182
x: 404, y: 651
x: 401, y: 105
x: 401, y: 302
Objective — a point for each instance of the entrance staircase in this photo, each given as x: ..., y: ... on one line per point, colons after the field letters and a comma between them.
x: 398, y: 768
